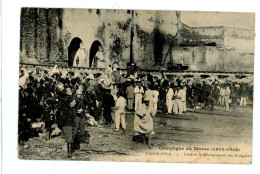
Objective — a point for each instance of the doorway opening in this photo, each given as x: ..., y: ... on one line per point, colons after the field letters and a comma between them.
x: 95, y: 47
x: 72, y: 50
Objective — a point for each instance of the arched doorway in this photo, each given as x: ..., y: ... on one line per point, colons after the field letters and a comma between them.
x: 72, y: 50
x: 95, y: 47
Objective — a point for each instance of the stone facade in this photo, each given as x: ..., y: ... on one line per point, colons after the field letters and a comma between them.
x: 151, y: 39
x: 215, y: 48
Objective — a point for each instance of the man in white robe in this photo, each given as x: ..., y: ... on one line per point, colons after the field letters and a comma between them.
x: 138, y: 95
x: 169, y: 95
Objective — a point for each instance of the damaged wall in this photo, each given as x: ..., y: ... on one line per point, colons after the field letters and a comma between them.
x: 215, y: 49
x: 112, y: 28
x: 159, y: 38
x: 40, y: 35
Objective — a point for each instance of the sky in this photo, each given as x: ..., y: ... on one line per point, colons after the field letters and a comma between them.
x: 228, y: 19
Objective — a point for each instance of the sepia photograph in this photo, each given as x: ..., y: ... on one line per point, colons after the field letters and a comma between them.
x: 135, y: 85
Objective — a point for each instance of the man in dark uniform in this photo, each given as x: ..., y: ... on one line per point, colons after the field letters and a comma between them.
x: 108, y: 103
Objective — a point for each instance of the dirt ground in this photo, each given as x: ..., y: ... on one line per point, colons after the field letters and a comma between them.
x: 196, y: 127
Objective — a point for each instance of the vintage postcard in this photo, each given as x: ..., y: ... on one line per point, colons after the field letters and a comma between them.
x: 136, y: 85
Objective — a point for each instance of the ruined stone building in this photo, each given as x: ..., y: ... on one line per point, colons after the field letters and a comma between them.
x: 151, y: 39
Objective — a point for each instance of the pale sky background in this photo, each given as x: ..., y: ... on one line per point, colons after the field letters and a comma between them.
x: 228, y: 19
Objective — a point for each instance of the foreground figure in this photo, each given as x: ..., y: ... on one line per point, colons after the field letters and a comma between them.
x: 69, y: 125
x: 143, y: 123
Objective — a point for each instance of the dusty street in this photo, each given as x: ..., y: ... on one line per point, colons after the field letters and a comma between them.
x: 195, y: 128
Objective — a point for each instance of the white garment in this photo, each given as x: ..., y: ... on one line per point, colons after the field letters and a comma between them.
x: 23, y: 79
x: 138, y: 96
x: 121, y: 103
x: 169, y: 93
x: 155, y: 95
x: 54, y: 70
x: 149, y: 96
x: 169, y: 101
x: 181, y: 94
x: 222, y: 92
x: 91, y: 120
x: 120, y: 118
x: 120, y: 113
x: 174, y: 103
x: 243, y: 101
x: 179, y: 106
x: 226, y: 98
x: 144, y: 124
x: 155, y: 98
x: 227, y: 92
x: 181, y: 97
x: 138, y: 90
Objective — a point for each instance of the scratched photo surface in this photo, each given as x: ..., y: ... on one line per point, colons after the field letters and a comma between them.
x: 136, y: 85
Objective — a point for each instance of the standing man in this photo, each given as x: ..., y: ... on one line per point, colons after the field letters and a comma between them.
x: 99, y: 92
x: 155, y: 97
x: 183, y: 99
x: 108, y: 103
x: 243, y: 95
x: 175, y: 99
x: 139, y: 91
x: 120, y: 112
x: 169, y: 95
x: 221, y: 97
x: 130, y: 96
x: 226, y: 98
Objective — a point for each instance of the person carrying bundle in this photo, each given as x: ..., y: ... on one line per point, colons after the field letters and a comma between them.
x: 143, y: 123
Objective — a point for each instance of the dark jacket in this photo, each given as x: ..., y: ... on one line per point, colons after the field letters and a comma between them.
x: 108, y: 101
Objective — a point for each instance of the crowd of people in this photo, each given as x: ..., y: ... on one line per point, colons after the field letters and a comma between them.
x: 70, y: 101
